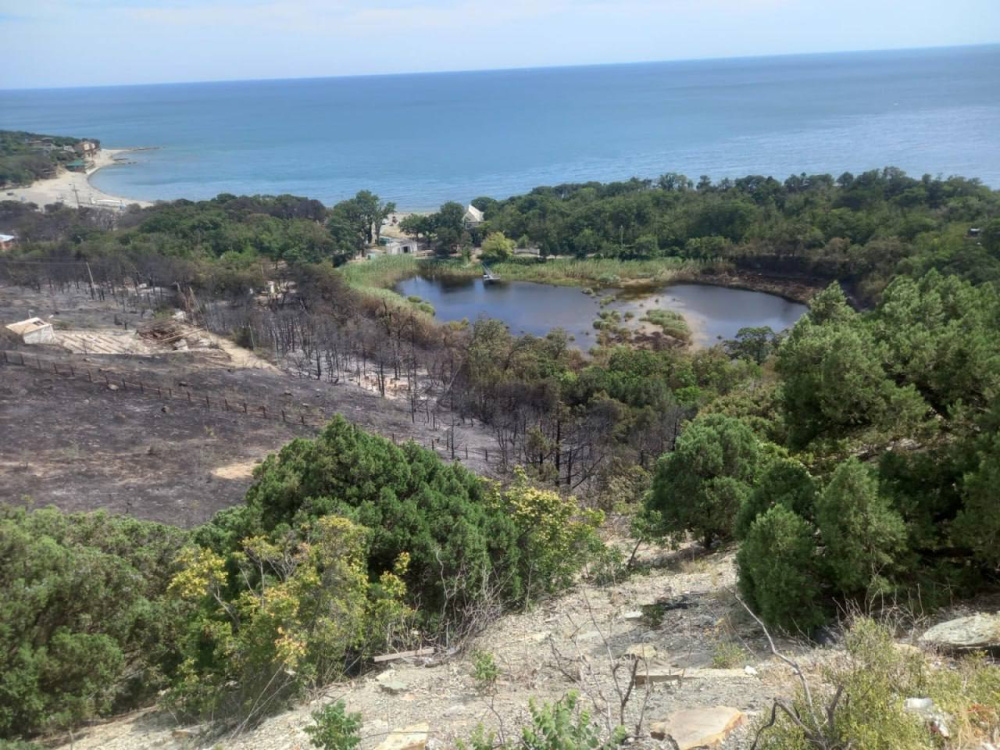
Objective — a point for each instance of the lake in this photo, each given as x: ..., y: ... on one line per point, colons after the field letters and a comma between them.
x: 714, y: 313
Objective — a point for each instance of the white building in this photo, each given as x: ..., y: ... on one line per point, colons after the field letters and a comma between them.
x: 404, y: 247
x: 473, y: 217
x: 34, y: 331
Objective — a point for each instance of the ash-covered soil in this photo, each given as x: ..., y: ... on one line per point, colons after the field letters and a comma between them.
x: 79, y: 439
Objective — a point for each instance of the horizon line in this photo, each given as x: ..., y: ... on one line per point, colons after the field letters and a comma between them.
x: 514, y: 68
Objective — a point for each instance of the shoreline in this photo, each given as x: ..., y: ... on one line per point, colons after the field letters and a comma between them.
x: 74, y: 189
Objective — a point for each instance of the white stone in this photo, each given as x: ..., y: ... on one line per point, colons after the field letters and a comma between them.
x: 411, y: 738
x: 980, y: 631
x: 698, y: 727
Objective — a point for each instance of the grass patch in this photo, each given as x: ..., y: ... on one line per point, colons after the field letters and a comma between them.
x: 597, y: 272
x: 671, y: 322
x: 380, y: 273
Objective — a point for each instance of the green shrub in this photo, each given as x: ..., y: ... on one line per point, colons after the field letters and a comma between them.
x: 334, y: 729
x: 463, y: 536
x: 778, y: 573
x: 864, y: 537
x: 702, y: 484
x: 554, y: 726
x: 408, y: 499
x: 274, y: 617
x: 785, y: 482
x: 83, y: 629
x: 876, y: 677
x: 484, y: 670
x: 729, y: 655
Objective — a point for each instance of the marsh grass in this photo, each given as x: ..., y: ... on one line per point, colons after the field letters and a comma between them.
x: 598, y: 272
x: 671, y: 322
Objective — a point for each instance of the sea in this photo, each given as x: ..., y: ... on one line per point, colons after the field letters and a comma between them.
x: 423, y: 139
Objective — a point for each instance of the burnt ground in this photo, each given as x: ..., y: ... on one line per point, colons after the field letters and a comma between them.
x: 83, y: 445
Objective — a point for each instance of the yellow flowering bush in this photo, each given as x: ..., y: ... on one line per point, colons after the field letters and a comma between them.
x: 556, y: 535
x: 278, y: 615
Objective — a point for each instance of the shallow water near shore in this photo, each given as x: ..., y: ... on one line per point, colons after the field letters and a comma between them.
x: 713, y: 313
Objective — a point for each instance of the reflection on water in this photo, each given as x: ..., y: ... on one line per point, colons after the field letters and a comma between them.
x: 713, y: 313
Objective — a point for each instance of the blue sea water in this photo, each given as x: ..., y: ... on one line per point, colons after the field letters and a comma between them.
x: 423, y: 139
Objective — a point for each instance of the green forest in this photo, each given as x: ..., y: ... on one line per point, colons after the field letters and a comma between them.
x: 26, y: 157
x: 852, y: 460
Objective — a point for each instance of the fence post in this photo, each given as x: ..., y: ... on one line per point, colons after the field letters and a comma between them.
x: 124, y: 386
x: 283, y: 419
x: 244, y: 407
x: 142, y: 388
x: 72, y: 372
x: 263, y: 410
x: 90, y: 377
x: 225, y: 404
x: 208, y: 405
x: 487, y: 452
x: 303, y: 418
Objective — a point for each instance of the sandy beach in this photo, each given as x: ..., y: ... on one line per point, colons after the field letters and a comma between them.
x: 72, y: 188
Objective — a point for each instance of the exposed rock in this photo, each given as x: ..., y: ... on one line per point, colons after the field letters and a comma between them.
x: 936, y: 719
x: 633, y: 615
x: 411, y: 738
x: 656, y: 674
x: 642, y: 651
x: 977, y: 632
x: 391, y: 684
x: 698, y: 727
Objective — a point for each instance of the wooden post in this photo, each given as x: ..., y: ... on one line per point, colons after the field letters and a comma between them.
x: 283, y: 419
x: 208, y: 405
x: 72, y: 372
x: 263, y: 410
x: 225, y: 404
x: 244, y: 407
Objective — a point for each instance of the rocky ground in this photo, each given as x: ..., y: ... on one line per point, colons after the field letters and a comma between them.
x: 652, y: 642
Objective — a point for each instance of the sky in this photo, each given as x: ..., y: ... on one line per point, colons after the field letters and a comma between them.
x: 63, y: 43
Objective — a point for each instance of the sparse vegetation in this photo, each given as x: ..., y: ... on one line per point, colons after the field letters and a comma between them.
x: 335, y: 729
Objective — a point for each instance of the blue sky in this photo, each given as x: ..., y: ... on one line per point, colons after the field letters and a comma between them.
x: 97, y: 42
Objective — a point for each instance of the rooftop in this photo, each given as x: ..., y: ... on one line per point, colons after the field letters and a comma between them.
x: 27, y: 326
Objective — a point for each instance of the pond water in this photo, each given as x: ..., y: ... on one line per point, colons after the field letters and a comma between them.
x: 713, y: 313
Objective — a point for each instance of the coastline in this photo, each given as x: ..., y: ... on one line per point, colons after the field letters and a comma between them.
x: 75, y: 188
